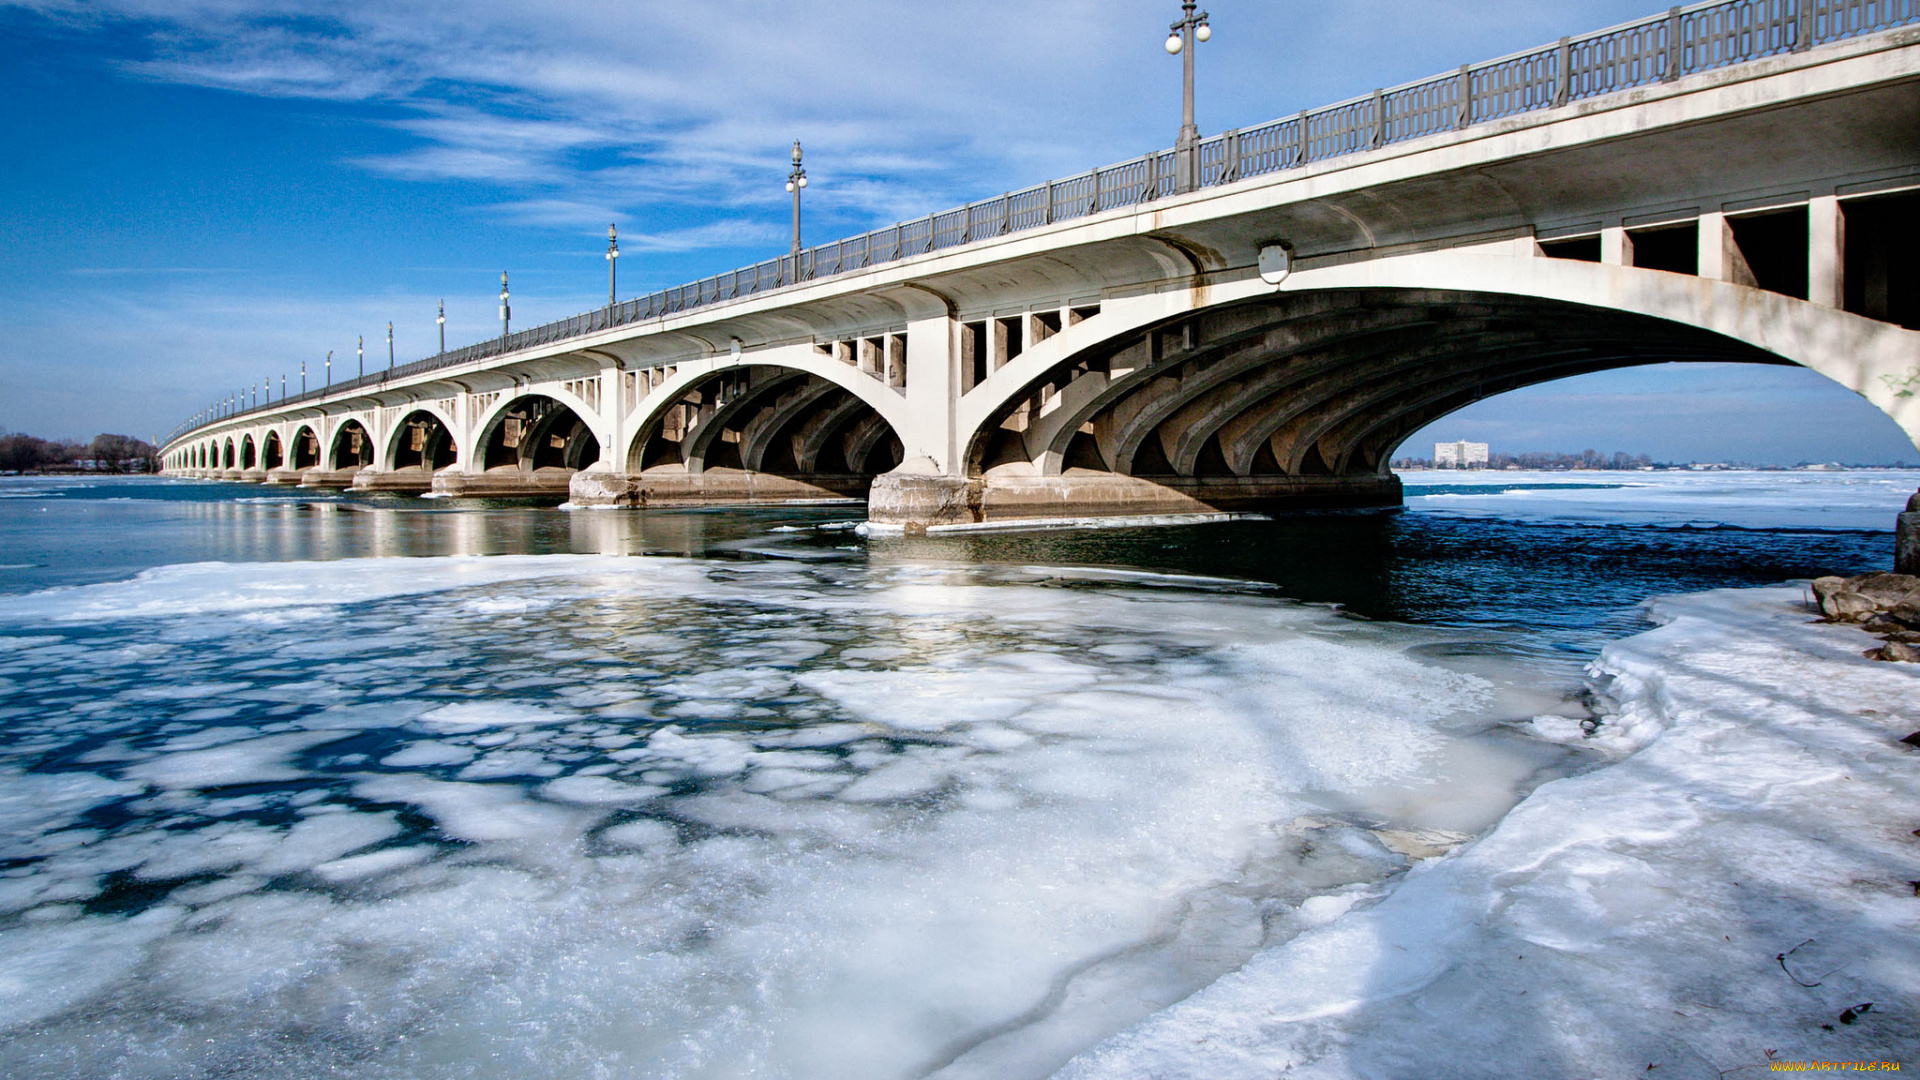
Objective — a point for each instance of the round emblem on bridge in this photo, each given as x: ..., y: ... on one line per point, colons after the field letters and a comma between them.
x: 1276, y: 261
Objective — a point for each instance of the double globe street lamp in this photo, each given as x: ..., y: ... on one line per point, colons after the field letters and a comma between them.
x: 1181, y: 36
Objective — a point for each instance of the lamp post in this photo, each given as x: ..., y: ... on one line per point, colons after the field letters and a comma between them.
x: 506, y: 309
x: 283, y: 382
x: 303, y: 378
x: 389, y: 348
x: 613, y: 256
x: 442, y: 320
x: 1192, y: 27
x: 329, y: 382
x: 360, y: 353
x: 796, y: 180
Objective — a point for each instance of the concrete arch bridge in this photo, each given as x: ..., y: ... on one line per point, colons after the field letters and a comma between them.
x: 1256, y: 323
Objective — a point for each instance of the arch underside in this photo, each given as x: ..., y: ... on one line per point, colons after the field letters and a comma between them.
x: 772, y: 421
x: 1309, y: 385
x: 352, y: 447
x: 422, y: 441
x: 536, y: 432
x: 305, y: 451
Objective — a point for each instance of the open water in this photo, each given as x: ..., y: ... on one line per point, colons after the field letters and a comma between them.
x: 301, y: 784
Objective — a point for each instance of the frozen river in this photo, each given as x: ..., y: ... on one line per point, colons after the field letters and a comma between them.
x: 297, y: 785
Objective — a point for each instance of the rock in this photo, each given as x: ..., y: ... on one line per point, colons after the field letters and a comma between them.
x: 1886, y: 589
x: 1897, y: 651
x: 1906, y: 613
x: 1824, y: 587
x: 1905, y: 637
x: 1847, y: 606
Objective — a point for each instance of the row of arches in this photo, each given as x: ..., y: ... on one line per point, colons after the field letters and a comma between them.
x: 1308, y: 385
x: 532, y: 433
x: 760, y: 418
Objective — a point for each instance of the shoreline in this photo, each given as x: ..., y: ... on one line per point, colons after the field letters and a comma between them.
x: 1665, y: 912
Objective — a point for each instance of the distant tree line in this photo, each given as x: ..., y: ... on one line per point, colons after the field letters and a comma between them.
x: 1549, y: 461
x: 106, y: 453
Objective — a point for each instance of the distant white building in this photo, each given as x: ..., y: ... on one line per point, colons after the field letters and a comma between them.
x: 1460, y: 455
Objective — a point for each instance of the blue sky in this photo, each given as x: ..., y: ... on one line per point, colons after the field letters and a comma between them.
x: 200, y: 194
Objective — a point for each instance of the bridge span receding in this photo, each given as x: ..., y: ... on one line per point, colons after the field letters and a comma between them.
x: 1741, y: 190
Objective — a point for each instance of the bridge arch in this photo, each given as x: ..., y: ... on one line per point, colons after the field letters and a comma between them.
x: 247, y: 456
x: 423, y: 439
x: 1325, y: 377
x: 273, y: 453
x: 352, y: 447
x: 768, y: 418
x: 304, y: 452
x: 537, y: 431
x: 227, y: 454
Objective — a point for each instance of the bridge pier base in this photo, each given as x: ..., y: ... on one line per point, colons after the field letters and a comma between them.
x: 1906, y: 558
x: 919, y: 501
x: 673, y: 486
x: 410, y: 481
x: 328, y: 478
x: 504, y: 482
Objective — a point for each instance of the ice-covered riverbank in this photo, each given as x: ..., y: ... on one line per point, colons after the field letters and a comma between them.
x: 1716, y: 901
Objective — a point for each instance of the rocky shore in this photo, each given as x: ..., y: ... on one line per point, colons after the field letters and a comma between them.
x: 1880, y: 603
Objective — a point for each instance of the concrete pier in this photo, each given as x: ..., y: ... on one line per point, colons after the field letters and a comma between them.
x: 408, y: 481
x: 1019, y: 493
x: 673, y: 485
x: 328, y: 478
x: 503, y: 482
x: 1906, y: 559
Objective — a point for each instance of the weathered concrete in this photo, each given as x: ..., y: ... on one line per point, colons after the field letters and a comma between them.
x: 408, y: 481
x: 283, y: 477
x: 673, y: 485
x: 505, y: 482
x: 328, y: 478
x: 1907, y: 539
x: 1020, y: 493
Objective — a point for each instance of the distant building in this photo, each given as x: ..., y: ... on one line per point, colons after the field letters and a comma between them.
x: 1460, y: 455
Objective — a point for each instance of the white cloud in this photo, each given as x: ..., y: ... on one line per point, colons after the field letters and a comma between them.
x: 906, y: 106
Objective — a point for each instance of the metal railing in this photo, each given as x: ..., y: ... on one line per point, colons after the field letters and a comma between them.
x: 1683, y: 41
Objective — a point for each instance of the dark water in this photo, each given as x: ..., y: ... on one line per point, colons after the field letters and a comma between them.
x: 1576, y: 585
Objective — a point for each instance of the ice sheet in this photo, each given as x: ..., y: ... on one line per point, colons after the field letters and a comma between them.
x: 1714, y: 902
x: 666, y: 818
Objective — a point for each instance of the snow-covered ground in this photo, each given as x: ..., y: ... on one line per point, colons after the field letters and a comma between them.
x: 1714, y: 902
